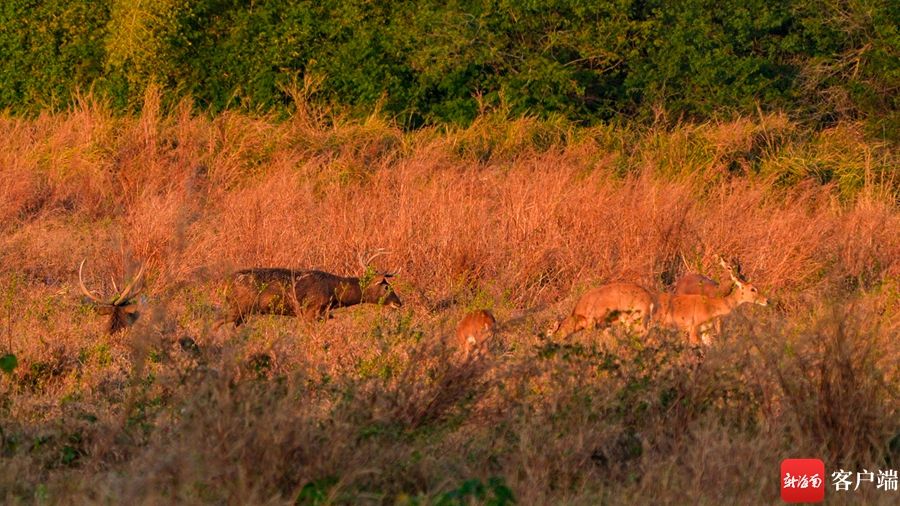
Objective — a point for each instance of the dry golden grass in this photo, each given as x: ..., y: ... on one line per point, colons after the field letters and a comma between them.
x: 518, y: 216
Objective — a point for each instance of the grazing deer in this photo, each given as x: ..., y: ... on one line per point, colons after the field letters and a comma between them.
x: 475, y: 330
x: 624, y: 303
x: 121, y: 308
x: 692, y: 312
x: 309, y: 294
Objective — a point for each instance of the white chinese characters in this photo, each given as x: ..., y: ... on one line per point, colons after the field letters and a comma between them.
x: 842, y: 480
x: 802, y: 481
x: 887, y: 480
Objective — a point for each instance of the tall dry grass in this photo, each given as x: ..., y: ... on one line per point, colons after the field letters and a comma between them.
x: 517, y: 215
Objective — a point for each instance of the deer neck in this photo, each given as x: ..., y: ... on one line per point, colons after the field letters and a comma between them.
x: 348, y: 292
x: 732, y: 300
x: 725, y: 290
x: 709, y: 308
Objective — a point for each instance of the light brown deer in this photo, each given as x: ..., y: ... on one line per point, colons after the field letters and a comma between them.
x: 309, y: 294
x: 698, y: 284
x: 624, y: 303
x: 121, y: 307
x: 474, y: 331
x: 691, y: 312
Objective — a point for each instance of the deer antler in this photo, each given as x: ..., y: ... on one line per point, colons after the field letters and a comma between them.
x: 738, y: 269
x: 126, y: 292
x: 365, y: 263
x: 121, y: 297
x: 121, y: 309
x: 84, y: 289
x: 733, y: 272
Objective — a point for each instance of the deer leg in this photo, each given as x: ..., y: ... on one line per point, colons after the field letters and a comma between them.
x: 692, y: 335
x: 312, y: 314
x: 705, y: 337
x: 238, y: 318
x: 607, y: 334
x: 477, y: 349
x: 644, y: 325
x: 637, y: 323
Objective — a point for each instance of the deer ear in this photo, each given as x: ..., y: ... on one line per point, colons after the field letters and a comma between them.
x: 104, y: 309
x: 130, y: 308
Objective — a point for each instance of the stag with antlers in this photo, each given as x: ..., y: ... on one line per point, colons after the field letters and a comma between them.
x: 694, y: 283
x: 309, y: 294
x: 695, y: 312
x: 122, y: 307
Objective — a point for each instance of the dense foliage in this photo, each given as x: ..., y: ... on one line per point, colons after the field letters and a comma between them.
x: 432, y: 62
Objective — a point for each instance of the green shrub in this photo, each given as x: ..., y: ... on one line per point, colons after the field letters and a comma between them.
x: 432, y: 62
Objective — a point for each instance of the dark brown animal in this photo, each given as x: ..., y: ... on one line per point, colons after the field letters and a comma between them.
x: 309, y: 294
x: 623, y: 303
x: 475, y: 330
x: 121, y: 307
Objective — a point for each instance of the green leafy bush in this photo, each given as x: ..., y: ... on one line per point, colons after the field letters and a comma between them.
x: 432, y: 62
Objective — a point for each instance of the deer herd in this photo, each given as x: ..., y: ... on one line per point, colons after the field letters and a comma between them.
x: 696, y: 305
x: 697, y: 302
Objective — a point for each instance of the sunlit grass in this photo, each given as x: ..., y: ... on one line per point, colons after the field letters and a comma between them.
x: 517, y: 215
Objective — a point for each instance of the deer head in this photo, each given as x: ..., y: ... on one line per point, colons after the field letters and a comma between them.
x: 743, y: 290
x: 377, y: 288
x: 121, y: 307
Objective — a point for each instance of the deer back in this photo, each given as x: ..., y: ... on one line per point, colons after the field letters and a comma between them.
x: 475, y: 328
x: 698, y: 284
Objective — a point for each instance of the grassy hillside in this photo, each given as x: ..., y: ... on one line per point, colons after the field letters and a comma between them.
x: 520, y: 216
